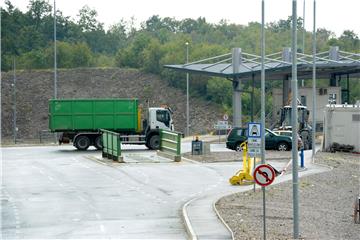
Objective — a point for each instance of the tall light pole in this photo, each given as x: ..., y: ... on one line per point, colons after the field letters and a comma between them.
x: 294, y: 119
x: 14, y: 101
x: 263, y: 106
x: 55, y: 60
x: 187, y: 92
x: 303, y: 39
x: 304, y: 31
x: 314, y: 82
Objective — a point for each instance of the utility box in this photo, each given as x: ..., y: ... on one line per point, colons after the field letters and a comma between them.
x: 342, y: 126
x: 197, y: 147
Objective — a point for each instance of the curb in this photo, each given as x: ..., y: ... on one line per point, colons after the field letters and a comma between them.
x: 221, y: 219
x: 189, y: 229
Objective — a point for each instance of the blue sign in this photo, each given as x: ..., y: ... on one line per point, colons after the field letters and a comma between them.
x: 254, y: 130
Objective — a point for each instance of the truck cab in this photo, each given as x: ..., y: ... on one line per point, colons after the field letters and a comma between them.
x: 304, y: 128
x: 160, y: 118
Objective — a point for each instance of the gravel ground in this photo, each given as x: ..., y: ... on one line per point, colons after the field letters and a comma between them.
x: 326, y: 204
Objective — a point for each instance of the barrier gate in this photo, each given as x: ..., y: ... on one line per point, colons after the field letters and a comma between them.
x: 170, y: 144
x: 111, y: 145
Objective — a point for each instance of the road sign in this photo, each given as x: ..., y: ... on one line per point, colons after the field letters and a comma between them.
x: 254, y: 152
x: 254, y: 139
x: 254, y: 143
x: 222, y: 125
x: 225, y: 117
x: 254, y: 130
x: 264, y: 175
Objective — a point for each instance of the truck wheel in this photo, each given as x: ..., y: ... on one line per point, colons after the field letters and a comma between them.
x: 82, y: 143
x: 282, y: 146
x: 98, y: 143
x: 154, y: 142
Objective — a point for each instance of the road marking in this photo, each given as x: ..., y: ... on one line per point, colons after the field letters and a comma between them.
x: 81, y: 198
x: 102, y: 228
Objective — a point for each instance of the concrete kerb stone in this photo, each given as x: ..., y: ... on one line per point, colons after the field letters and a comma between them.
x: 170, y: 156
x: 189, y: 229
x: 221, y: 219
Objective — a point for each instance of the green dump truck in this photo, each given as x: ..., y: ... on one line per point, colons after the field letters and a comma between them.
x: 79, y: 121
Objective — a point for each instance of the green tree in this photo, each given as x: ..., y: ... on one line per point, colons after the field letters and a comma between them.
x: 87, y: 19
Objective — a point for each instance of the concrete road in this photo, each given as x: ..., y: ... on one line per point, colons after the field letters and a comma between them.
x: 58, y: 192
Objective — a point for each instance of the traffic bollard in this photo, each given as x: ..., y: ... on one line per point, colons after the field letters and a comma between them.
x: 301, y: 154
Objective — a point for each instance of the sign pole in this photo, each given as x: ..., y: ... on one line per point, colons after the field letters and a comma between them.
x: 294, y: 117
x: 263, y: 105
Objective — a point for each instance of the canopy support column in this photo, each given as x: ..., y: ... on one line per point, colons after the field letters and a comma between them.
x: 236, y: 61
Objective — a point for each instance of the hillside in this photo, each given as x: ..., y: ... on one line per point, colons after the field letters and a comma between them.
x: 35, y: 88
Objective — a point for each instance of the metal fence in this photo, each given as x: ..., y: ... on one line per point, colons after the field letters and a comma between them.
x: 170, y: 144
x: 111, y: 145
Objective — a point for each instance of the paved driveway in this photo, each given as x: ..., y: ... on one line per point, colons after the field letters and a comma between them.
x: 58, y: 192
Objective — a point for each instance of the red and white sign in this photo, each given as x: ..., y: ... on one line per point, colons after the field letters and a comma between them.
x: 264, y: 175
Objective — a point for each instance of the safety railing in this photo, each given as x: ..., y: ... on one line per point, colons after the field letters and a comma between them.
x: 111, y: 145
x: 170, y: 144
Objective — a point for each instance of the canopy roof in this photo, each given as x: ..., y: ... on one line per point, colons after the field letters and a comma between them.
x: 277, y: 65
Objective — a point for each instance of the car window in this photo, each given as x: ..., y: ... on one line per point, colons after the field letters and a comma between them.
x: 239, y: 132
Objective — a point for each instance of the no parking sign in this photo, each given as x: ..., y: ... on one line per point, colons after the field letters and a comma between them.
x: 264, y: 175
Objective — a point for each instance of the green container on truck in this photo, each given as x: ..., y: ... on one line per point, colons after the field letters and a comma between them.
x: 79, y: 121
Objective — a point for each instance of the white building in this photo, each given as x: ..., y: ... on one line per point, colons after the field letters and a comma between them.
x: 342, y: 125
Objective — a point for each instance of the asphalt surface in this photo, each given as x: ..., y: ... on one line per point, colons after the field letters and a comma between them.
x: 58, y: 192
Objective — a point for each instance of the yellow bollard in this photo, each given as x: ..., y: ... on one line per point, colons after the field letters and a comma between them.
x: 244, y: 176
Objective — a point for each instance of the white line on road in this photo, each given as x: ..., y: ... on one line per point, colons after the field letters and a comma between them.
x: 81, y: 198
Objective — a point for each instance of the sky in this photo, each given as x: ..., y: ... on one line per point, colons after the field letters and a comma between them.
x: 333, y: 15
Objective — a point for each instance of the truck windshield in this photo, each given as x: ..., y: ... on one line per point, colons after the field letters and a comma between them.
x: 287, y: 116
x: 163, y: 116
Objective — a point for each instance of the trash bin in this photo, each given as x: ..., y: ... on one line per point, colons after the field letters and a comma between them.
x: 196, y: 147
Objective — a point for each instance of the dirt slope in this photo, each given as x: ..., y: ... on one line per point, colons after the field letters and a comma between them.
x: 35, y: 88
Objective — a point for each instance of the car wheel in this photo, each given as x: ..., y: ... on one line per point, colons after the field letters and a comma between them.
x: 282, y: 146
x: 238, y: 148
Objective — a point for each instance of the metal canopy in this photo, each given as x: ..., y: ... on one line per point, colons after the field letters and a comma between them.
x: 277, y: 65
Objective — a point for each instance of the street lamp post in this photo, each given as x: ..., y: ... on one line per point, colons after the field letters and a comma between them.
x: 14, y: 102
x: 55, y: 59
x: 55, y: 62
x: 187, y: 92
